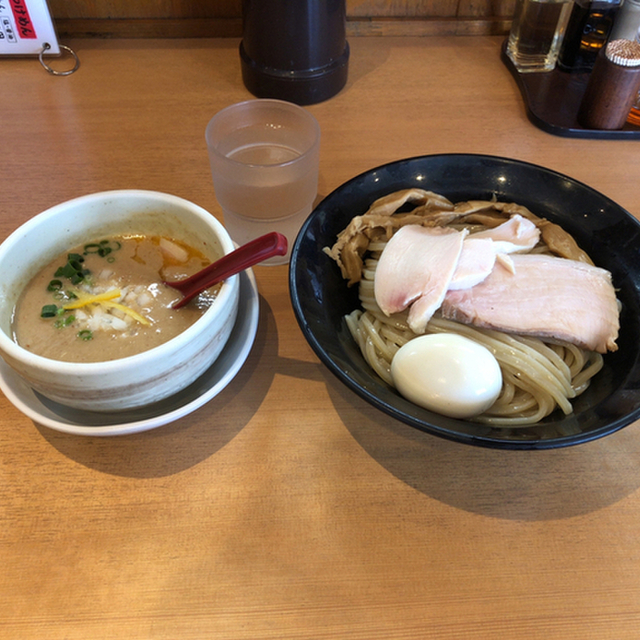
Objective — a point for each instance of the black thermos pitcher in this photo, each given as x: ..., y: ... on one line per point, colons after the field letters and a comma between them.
x: 294, y: 50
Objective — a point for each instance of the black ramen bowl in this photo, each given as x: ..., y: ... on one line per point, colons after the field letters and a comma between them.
x: 610, y: 235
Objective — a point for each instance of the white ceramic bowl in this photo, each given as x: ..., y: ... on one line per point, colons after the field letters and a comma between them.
x: 136, y: 380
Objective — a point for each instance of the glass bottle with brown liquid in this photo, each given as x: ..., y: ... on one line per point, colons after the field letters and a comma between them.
x: 589, y: 26
x: 634, y: 114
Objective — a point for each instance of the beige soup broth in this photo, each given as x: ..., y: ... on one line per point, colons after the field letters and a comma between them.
x: 105, y: 300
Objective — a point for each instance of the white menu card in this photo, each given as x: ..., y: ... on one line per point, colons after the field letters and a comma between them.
x: 26, y: 28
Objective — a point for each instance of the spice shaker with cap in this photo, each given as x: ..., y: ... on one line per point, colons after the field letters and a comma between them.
x: 612, y: 87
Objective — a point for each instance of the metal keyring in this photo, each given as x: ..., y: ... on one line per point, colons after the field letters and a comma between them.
x: 45, y: 47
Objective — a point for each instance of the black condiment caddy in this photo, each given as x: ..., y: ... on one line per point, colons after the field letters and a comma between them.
x: 552, y: 100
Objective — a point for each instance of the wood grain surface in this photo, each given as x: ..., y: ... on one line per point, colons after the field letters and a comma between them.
x: 223, y: 18
x: 286, y: 507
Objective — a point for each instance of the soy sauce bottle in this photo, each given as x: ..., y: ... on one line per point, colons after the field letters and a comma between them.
x: 589, y: 26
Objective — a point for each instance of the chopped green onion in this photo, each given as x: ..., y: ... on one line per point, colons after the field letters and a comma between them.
x: 73, y: 269
x: 66, y: 271
x: 76, y: 265
x: 103, y: 248
x: 64, y: 322
x: 85, y: 335
x: 49, y: 311
x: 54, y: 285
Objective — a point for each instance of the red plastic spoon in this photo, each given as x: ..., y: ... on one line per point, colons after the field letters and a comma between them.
x: 271, y: 244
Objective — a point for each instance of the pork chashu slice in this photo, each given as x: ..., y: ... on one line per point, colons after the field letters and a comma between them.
x: 543, y: 296
x: 415, y: 270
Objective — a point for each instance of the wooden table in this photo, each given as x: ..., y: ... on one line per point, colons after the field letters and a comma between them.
x: 286, y: 507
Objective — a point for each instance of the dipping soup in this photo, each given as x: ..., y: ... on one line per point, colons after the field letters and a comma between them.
x: 105, y: 299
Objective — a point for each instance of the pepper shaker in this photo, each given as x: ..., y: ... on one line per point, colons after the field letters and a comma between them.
x: 612, y: 87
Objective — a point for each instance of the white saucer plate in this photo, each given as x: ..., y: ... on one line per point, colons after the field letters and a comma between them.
x: 86, y: 423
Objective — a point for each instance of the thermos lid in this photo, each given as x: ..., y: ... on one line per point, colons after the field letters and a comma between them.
x: 294, y: 50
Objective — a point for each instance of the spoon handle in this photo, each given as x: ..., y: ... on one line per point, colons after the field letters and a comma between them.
x: 255, y: 251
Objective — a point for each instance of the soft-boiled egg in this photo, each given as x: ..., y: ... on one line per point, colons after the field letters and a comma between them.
x: 447, y: 373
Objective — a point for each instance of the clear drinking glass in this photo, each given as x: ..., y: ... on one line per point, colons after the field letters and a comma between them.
x: 264, y: 157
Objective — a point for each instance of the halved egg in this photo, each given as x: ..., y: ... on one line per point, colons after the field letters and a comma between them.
x: 447, y: 373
